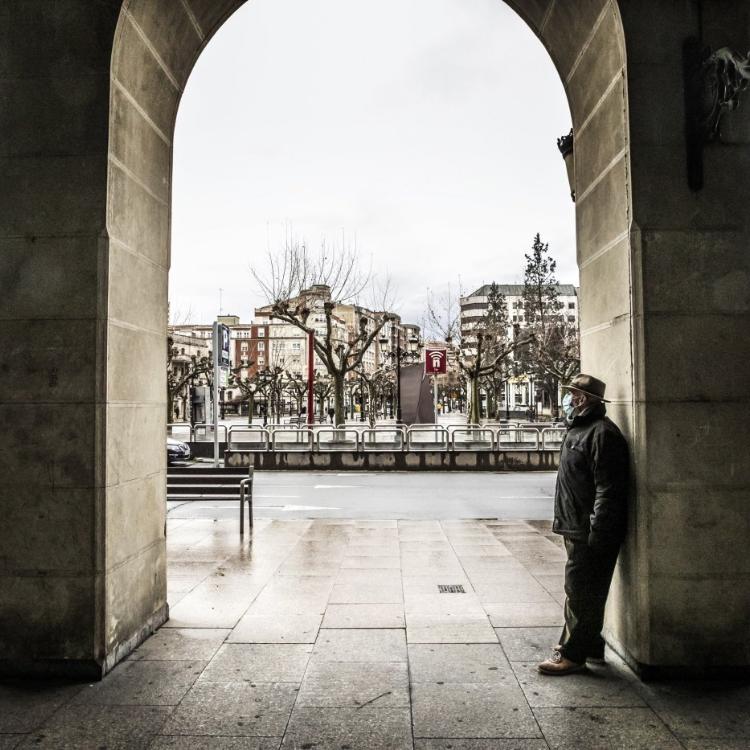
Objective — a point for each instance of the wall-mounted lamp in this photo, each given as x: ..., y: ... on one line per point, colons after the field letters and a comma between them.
x: 565, y: 144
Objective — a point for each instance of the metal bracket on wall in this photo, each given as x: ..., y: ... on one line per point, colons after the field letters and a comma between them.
x: 566, y: 146
x: 713, y: 82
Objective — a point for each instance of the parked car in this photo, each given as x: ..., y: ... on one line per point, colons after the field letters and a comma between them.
x: 177, y: 451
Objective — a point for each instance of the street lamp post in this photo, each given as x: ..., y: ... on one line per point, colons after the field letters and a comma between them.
x: 362, y: 397
x: 251, y: 404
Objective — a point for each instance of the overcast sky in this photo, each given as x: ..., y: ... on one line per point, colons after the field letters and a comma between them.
x: 424, y: 128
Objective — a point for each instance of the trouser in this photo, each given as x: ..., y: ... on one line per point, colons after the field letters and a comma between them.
x: 588, y: 574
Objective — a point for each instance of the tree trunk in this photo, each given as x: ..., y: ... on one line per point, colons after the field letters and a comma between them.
x: 371, y: 397
x: 338, y: 399
x: 473, y: 415
x: 250, y: 408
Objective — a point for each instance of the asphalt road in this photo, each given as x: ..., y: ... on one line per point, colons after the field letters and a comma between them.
x: 423, y: 495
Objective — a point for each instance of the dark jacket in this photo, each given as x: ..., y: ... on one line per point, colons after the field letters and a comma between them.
x: 592, y: 482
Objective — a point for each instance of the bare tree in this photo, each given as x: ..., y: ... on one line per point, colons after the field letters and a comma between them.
x: 554, y: 355
x: 322, y: 387
x: 303, y: 289
x: 246, y: 386
x: 296, y: 385
x: 183, y: 369
x: 377, y: 383
x: 486, y: 343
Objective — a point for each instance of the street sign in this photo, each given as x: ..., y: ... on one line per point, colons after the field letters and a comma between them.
x: 436, y: 361
x: 225, y: 344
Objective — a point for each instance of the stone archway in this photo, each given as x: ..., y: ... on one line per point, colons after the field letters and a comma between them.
x: 85, y: 234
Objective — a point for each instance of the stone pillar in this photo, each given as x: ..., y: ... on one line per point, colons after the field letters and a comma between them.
x: 66, y: 540
x: 685, y: 591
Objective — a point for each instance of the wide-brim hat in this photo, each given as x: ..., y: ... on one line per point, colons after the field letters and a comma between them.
x: 589, y: 385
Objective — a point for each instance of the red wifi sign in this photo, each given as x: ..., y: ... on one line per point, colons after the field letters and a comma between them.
x: 436, y: 361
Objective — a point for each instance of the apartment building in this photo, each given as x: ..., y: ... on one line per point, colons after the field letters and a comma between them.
x: 520, y: 391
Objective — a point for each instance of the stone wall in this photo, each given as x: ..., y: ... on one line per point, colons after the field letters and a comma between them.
x: 90, y: 94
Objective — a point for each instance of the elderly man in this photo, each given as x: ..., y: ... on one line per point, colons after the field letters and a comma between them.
x: 590, y: 513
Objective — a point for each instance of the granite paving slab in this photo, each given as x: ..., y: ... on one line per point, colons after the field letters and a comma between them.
x: 525, y: 614
x: 355, y: 684
x: 84, y: 727
x: 215, y: 743
x: 212, y: 605
x: 461, y: 663
x: 336, y: 728
x: 495, y: 744
x: 181, y: 644
x: 471, y: 710
x: 604, y: 729
x: 253, y: 628
x: 272, y: 663
x: 426, y: 628
x: 362, y: 593
x: 528, y: 644
x: 709, y: 709
x: 360, y: 645
x: 233, y: 709
x: 143, y: 683
x: 392, y: 562
x: 599, y: 685
x: 25, y: 704
x: 364, y: 616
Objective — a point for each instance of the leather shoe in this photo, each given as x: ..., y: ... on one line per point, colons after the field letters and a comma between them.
x: 592, y: 659
x: 558, y: 664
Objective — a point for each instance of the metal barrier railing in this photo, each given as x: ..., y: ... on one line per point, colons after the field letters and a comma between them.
x: 429, y: 437
x: 453, y: 427
x: 180, y: 431
x: 293, y: 439
x: 517, y: 439
x: 246, y: 495
x: 552, y: 437
x: 360, y: 438
x: 336, y: 439
x: 384, y: 438
x: 473, y: 439
x: 204, y: 433
x: 249, y: 438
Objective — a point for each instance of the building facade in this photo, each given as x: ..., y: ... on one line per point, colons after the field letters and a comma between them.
x: 521, y: 396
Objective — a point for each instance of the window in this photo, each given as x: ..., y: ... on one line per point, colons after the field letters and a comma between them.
x: 243, y: 346
x: 571, y: 305
x: 261, y: 346
x: 261, y: 361
x: 571, y: 318
x: 261, y: 333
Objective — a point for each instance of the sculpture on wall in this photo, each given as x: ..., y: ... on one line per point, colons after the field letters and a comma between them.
x: 713, y: 84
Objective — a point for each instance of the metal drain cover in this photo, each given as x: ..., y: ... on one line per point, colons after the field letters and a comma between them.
x: 450, y: 588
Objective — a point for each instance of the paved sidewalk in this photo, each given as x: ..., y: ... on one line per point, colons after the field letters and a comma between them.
x: 333, y: 634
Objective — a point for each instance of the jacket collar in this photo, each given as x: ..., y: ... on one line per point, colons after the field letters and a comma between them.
x: 596, y: 411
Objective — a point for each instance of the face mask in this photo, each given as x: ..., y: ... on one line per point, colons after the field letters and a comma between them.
x: 567, y: 405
